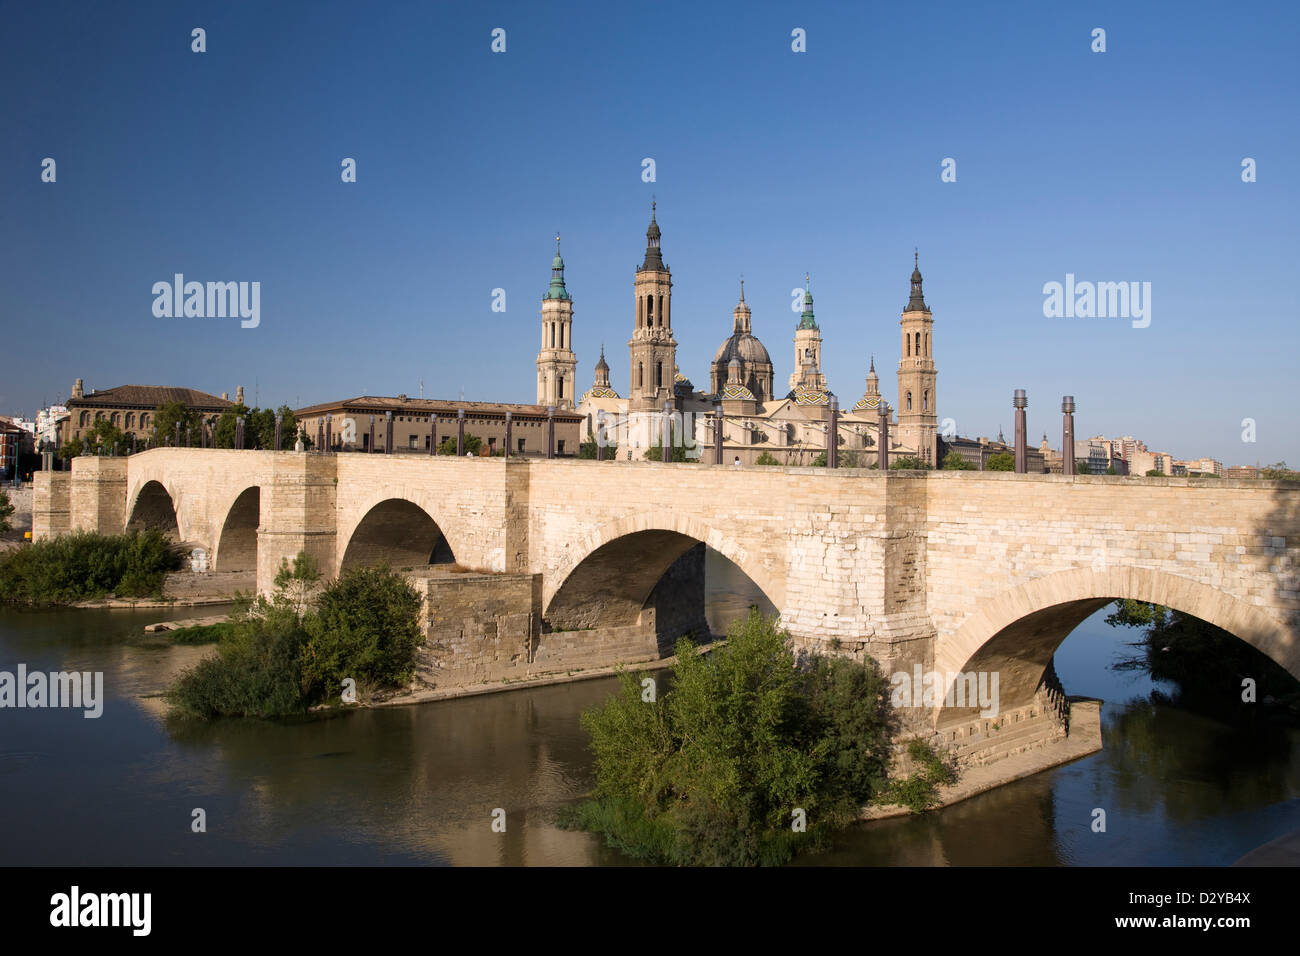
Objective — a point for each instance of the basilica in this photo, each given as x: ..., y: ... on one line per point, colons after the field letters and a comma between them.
x: 757, y: 423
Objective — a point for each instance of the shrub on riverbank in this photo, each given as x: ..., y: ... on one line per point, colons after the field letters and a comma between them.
x: 200, y: 633
x: 84, y: 565
x: 750, y: 757
x: 280, y: 657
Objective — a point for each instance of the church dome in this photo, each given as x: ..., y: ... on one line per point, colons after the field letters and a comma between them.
x: 734, y: 390
x: 742, y: 346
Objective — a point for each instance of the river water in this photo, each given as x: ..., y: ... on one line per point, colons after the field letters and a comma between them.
x: 419, y: 784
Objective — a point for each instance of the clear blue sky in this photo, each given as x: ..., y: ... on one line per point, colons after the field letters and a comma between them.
x: 1122, y: 166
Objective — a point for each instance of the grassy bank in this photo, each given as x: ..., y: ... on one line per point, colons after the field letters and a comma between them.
x: 85, y: 565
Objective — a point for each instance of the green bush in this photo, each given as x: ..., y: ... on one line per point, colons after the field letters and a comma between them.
x: 910, y: 462
x: 279, y: 658
x: 84, y: 565
x: 713, y: 773
x: 6, y: 509
x: 953, y: 461
x: 766, y: 459
x: 1006, y: 461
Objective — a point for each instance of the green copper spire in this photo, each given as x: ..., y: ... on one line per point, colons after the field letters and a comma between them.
x: 806, y: 320
x: 557, y: 290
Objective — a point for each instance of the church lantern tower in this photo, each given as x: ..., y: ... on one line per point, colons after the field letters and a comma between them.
x: 652, y: 351
x: 917, y: 420
x: 556, y: 362
x: 807, y: 348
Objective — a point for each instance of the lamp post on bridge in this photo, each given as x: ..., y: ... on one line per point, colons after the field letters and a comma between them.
x: 601, y: 437
x: 717, y: 435
x: 1020, y: 402
x: 509, y: 431
x: 279, y: 440
x: 433, y: 433
x: 329, y: 434
x: 388, y: 432
x: 550, y: 431
x: 1067, y: 435
x: 833, y: 435
x: 460, y: 432
x: 882, y: 453
x: 666, y: 434
x: 372, y: 447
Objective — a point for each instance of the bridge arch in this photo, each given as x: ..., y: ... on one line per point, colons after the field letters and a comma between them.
x: 237, y: 539
x: 153, y: 506
x: 1016, y: 633
x: 613, y: 571
x: 397, y: 531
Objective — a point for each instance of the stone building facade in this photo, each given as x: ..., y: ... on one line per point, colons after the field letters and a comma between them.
x: 349, y: 425
x: 132, y: 407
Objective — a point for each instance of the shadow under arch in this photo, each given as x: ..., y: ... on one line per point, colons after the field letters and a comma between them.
x: 1016, y: 633
x: 397, y: 532
x: 652, y: 577
x: 237, y: 543
x: 154, y: 508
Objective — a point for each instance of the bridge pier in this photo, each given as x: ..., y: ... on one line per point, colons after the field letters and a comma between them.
x: 298, y: 509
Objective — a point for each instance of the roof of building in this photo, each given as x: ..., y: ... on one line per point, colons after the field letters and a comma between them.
x: 734, y: 391
x: 599, y: 391
x: 810, y: 396
x: 743, y: 346
x: 151, y: 396
x: 425, y: 406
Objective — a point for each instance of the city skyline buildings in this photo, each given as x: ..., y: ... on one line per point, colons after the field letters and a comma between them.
x: 823, y: 162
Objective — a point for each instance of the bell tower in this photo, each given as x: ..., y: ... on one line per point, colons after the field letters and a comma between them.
x: 807, y: 347
x: 652, y: 351
x: 917, y: 421
x: 556, y: 362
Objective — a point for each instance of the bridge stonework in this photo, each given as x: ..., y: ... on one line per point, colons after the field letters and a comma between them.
x: 955, y: 571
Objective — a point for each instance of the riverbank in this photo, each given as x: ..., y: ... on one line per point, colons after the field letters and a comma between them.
x: 529, y: 683
x: 1084, y: 739
x: 1284, y: 851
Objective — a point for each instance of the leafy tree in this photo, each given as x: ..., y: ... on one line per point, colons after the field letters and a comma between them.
x: 766, y: 459
x: 1110, y: 469
x: 298, y: 581
x: 1080, y: 468
x: 1002, y: 461
x: 953, y: 461
x: 1155, y: 473
x: 6, y: 509
x: 910, y: 462
x: 1206, y: 663
x: 366, y: 627
x: 656, y: 453
x: 712, y: 773
x: 168, y: 415
x: 820, y: 461
x: 102, y: 437
x: 1278, y: 471
x: 472, y: 445
x: 72, y: 448
x: 588, y: 449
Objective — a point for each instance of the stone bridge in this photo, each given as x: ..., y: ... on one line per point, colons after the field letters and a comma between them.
x: 955, y: 571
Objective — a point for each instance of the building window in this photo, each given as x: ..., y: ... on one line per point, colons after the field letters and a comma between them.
x: 559, y: 446
x: 640, y: 382
x: 659, y: 374
x: 85, y: 419
x: 907, y: 343
x: 650, y: 308
x: 412, y: 443
x: 559, y: 386
x: 661, y: 310
x: 927, y: 343
x: 144, y: 420
x: 918, y: 343
x: 130, y: 419
x: 909, y: 401
x: 521, y: 446
x: 365, y: 442
x: 492, y: 443
x: 925, y: 400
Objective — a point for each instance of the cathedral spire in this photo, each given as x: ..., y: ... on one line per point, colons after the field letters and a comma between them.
x: 653, y: 258
x: 557, y: 290
x: 917, y: 301
x: 806, y: 319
